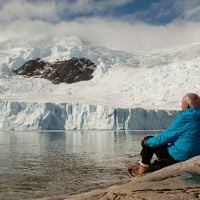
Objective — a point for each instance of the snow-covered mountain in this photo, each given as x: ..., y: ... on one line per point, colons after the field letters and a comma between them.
x: 124, y: 84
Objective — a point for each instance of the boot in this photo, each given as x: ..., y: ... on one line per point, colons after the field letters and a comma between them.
x: 141, y: 170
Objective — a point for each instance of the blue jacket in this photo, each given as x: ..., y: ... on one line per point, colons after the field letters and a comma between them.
x: 182, y: 136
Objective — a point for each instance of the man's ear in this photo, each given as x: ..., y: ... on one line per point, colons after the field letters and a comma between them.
x: 185, y: 106
x: 188, y: 106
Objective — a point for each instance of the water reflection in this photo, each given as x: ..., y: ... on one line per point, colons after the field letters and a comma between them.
x: 52, y: 142
x: 43, y: 164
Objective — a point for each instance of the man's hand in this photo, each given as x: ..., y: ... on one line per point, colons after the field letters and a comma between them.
x: 144, y: 140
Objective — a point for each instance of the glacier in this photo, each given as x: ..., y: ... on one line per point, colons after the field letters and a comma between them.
x: 130, y: 90
x: 60, y: 116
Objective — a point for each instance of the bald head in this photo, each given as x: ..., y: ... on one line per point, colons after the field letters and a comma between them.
x: 190, y: 100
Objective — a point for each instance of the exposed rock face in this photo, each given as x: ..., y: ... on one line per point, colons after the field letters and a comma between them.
x: 68, y: 71
x: 176, y: 182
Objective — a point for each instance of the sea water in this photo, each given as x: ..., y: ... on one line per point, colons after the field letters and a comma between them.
x: 46, y: 164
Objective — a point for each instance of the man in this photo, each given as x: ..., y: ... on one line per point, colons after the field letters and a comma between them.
x: 179, y: 142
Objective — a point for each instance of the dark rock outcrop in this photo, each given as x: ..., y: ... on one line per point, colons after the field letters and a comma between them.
x: 68, y: 71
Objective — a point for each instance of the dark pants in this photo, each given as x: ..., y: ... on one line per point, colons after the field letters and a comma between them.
x: 162, y: 154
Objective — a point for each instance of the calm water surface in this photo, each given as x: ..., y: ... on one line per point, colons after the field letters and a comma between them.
x: 42, y: 164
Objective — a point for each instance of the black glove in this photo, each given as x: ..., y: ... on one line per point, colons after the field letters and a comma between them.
x: 144, y: 141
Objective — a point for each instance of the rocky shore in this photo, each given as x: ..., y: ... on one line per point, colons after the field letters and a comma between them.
x: 177, y: 182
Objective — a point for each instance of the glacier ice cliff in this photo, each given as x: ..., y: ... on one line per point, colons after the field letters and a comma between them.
x: 60, y: 116
x: 123, y: 87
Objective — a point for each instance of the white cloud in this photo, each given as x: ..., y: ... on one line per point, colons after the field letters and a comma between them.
x: 188, y: 10
x: 111, y: 33
x: 193, y: 14
x: 22, y: 9
x: 52, y: 10
x: 31, y: 19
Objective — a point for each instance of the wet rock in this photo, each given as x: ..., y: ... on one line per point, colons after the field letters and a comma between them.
x: 68, y: 71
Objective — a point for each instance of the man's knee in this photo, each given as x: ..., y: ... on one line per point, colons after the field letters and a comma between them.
x: 144, y: 141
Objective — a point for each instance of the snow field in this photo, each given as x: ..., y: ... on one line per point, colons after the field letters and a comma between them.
x: 149, y: 82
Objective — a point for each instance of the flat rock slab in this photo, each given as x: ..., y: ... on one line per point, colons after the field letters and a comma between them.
x: 177, y: 182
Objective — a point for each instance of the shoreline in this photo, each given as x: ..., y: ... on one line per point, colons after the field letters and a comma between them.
x: 175, y: 182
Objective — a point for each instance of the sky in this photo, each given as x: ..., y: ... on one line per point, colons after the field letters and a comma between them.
x: 128, y: 25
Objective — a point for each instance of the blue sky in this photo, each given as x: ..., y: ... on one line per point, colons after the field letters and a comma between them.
x: 123, y: 10
x: 149, y: 11
x: 157, y: 12
x: 136, y: 24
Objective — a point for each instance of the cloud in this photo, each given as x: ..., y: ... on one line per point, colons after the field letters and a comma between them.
x: 23, y: 9
x: 110, y: 33
x: 42, y: 18
x: 188, y: 10
x: 54, y: 10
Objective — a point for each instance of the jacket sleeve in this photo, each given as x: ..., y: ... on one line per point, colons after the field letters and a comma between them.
x: 168, y: 136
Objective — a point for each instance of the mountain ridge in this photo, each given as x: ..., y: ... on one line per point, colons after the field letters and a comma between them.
x: 156, y: 79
